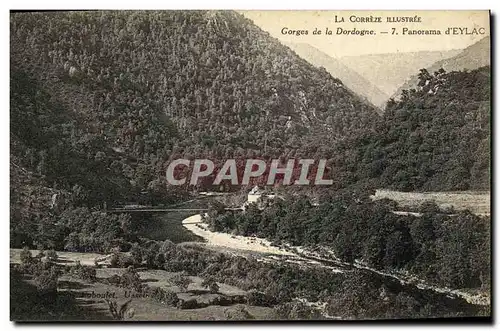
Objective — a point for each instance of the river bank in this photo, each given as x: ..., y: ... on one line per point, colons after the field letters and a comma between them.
x: 196, y: 225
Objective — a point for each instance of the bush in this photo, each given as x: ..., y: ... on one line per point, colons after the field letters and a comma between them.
x: 131, y: 279
x: 115, y: 280
x: 190, y: 304
x: 46, y: 281
x: 167, y: 297
x: 428, y: 206
x: 136, y: 253
x: 256, y: 298
x: 296, y: 311
x: 238, y: 313
x: 181, y: 281
x: 119, y: 260
x: 210, y: 284
x: 221, y: 300
x: 84, y: 272
x: 51, y: 255
x: 26, y: 256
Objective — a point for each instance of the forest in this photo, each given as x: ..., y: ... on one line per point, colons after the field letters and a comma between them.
x: 434, y: 138
x: 449, y: 249
x: 118, y: 95
x: 102, y: 102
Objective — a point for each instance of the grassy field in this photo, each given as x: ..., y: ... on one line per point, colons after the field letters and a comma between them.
x: 63, y: 257
x: 476, y: 202
x: 76, y: 299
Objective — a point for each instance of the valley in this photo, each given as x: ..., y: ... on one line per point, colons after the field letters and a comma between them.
x: 140, y: 191
x: 87, y: 293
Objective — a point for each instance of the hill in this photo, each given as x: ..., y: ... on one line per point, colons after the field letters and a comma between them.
x: 101, y: 102
x: 390, y: 70
x: 349, y: 78
x: 151, y: 86
x: 475, y: 56
x: 436, y: 138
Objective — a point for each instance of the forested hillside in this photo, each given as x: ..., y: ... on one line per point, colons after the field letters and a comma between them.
x: 102, y: 101
x: 156, y: 85
x: 475, y: 56
x: 436, y: 138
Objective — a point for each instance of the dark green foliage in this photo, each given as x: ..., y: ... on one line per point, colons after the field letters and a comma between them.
x: 270, y: 284
x: 164, y: 296
x: 451, y: 250
x: 26, y: 256
x: 84, y: 272
x: 129, y: 279
x: 229, y: 90
x: 51, y: 255
x: 211, y: 284
x: 190, y: 304
x: 46, y: 281
x: 136, y: 253
x: 181, y: 281
x: 297, y: 310
x: 435, y: 138
x: 256, y: 298
x: 238, y: 313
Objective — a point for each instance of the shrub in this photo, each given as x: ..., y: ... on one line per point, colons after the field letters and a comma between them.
x: 210, y: 284
x: 26, y: 256
x: 84, y: 272
x: 167, y: 297
x: 136, y: 254
x: 190, y: 304
x: 51, y: 255
x: 296, y: 311
x: 46, y: 281
x: 119, y: 260
x: 181, y: 281
x: 238, y: 313
x: 131, y: 279
x: 115, y: 280
x: 256, y: 298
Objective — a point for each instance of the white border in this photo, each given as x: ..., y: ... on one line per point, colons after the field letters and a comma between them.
x: 213, y: 4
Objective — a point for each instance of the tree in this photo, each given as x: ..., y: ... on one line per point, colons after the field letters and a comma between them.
x: 181, y: 281
x: 238, y: 313
x: 210, y: 284
x: 46, y: 282
x: 136, y: 253
x: 26, y: 256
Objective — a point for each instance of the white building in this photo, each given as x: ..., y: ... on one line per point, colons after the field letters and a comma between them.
x: 256, y: 195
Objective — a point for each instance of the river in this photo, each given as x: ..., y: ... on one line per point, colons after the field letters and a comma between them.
x: 188, y: 228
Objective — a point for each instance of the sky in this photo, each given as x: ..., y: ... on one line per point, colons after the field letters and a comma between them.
x: 348, y: 45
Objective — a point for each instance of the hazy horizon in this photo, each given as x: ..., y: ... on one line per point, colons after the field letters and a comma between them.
x: 340, y: 46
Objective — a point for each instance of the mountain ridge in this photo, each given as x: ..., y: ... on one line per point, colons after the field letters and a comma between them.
x: 472, y: 57
x: 388, y: 71
x: 356, y: 82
